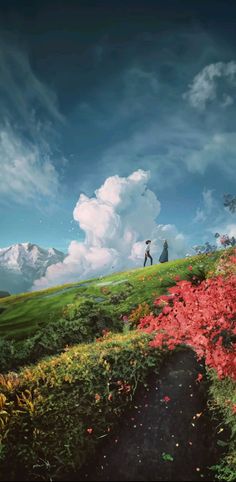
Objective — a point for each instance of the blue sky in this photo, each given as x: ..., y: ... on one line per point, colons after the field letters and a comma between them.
x: 94, y: 89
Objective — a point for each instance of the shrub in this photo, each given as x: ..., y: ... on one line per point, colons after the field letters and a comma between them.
x: 82, y: 322
x: 7, y: 353
x: 223, y: 399
x: 227, y: 263
x: 139, y: 312
x: 53, y: 415
x: 202, y: 317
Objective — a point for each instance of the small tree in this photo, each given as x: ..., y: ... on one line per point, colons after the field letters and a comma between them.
x: 230, y: 202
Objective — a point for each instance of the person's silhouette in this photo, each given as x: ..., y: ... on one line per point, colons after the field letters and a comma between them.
x: 147, y: 252
x: 164, y: 255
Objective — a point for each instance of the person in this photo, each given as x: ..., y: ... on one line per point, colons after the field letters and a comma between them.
x: 147, y: 252
x: 164, y: 255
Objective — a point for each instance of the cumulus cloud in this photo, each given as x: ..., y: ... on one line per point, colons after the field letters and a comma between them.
x: 116, y: 222
x: 206, y: 85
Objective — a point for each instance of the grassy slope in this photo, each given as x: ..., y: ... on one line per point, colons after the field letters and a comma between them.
x: 21, y: 315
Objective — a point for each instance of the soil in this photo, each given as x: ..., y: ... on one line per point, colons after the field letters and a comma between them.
x: 167, y: 435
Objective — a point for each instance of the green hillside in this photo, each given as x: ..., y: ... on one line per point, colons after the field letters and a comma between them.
x: 80, y: 382
x: 22, y: 315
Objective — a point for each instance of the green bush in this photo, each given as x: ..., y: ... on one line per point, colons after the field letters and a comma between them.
x: 81, y: 323
x: 223, y: 399
x: 7, y: 353
x: 53, y: 415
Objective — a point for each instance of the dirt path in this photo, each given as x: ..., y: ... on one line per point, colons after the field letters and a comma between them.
x: 167, y: 436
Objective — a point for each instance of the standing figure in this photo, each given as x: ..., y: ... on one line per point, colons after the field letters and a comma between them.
x: 147, y: 252
x: 164, y: 255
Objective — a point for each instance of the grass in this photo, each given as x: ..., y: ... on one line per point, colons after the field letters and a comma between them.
x: 22, y: 315
x: 223, y: 399
x: 58, y: 410
x: 45, y: 410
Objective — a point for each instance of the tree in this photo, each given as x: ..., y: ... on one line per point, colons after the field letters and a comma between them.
x: 230, y: 202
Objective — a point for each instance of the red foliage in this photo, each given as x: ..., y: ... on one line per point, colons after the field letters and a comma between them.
x: 202, y: 317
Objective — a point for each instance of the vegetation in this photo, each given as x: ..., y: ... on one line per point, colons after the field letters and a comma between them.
x: 43, y: 323
x: 223, y: 400
x: 53, y: 415
x: 201, y: 314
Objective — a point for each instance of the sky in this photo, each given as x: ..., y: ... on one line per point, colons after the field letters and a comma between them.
x: 95, y: 92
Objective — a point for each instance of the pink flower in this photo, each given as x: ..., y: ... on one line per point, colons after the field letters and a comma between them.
x: 90, y: 431
x: 199, y: 377
x: 234, y: 408
x: 166, y: 399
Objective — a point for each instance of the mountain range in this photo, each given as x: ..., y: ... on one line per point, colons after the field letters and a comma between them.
x: 21, y: 264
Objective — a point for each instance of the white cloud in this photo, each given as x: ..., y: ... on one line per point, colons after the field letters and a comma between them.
x: 231, y: 229
x: 25, y: 172
x: 116, y: 223
x: 227, y: 100
x: 208, y: 205
x: 29, y: 114
x: 205, y: 86
x: 23, y: 91
x: 218, y: 151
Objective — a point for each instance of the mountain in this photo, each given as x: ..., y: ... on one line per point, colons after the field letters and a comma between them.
x: 21, y: 264
x: 4, y: 294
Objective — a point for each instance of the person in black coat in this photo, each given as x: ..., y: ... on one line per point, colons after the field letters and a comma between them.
x: 164, y: 255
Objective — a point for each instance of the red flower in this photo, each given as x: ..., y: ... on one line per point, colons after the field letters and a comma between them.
x: 200, y: 317
x: 190, y: 268
x: 234, y: 408
x: 166, y: 399
x: 199, y: 377
x: 177, y: 278
x: 90, y: 431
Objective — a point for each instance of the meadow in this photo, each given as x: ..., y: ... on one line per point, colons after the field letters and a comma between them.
x: 73, y: 357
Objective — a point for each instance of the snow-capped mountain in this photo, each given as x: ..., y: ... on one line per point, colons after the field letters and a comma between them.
x: 22, y: 264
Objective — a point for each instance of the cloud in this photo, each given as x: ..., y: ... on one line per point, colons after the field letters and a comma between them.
x: 206, y: 87
x: 26, y: 172
x: 29, y: 115
x: 116, y: 222
x: 203, y: 213
x: 231, y: 229
x: 22, y: 92
x: 218, y: 151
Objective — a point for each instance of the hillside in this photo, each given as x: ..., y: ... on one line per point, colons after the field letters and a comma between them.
x: 22, y: 315
x: 111, y: 393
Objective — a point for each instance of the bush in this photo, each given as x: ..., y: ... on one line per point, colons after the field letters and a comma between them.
x: 7, y: 353
x: 223, y: 399
x: 52, y: 414
x: 202, y: 317
x: 143, y: 309
x: 81, y: 323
